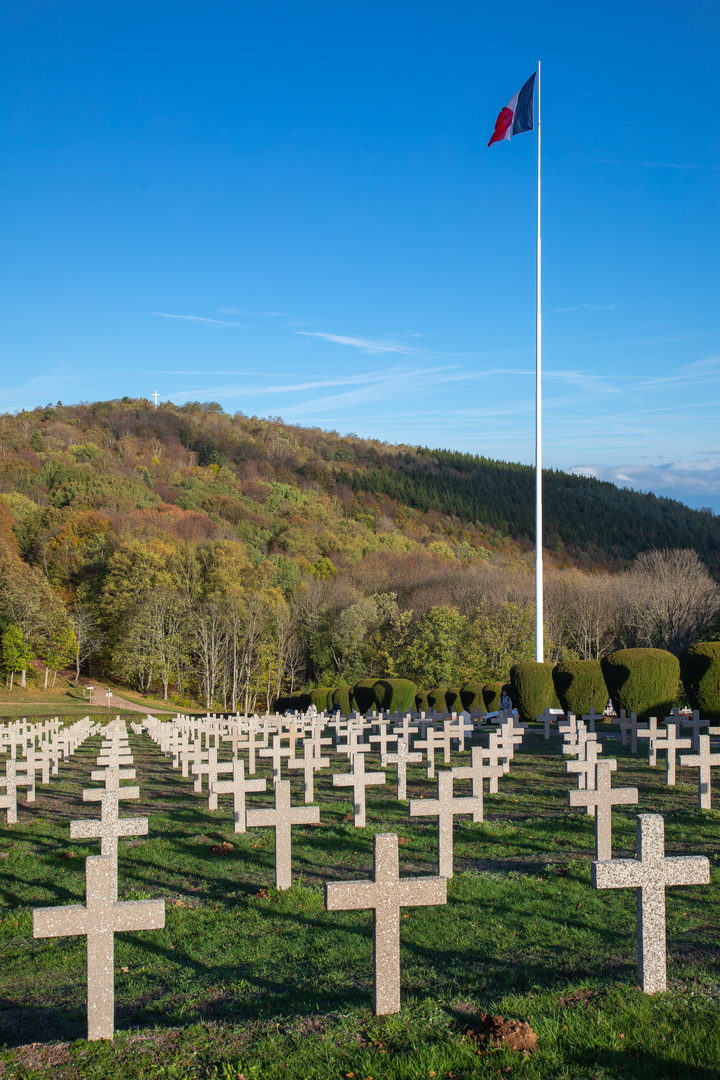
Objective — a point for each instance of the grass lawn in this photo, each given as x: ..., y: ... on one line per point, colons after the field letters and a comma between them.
x: 245, y: 982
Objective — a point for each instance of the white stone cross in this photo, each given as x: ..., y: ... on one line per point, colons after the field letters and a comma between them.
x: 695, y: 723
x: 309, y: 763
x: 433, y: 739
x: 632, y: 726
x: 599, y: 802
x: 386, y: 893
x: 212, y: 768
x: 651, y: 733
x: 238, y: 788
x: 405, y: 730
x: 281, y: 819
x: 584, y: 766
x: 670, y: 744
x: 353, y: 745
x: 702, y: 761
x: 650, y: 873
x: 444, y: 808
x: 478, y: 771
x: 276, y: 752
x: 110, y: 826
x: 99, y: 920
x: 495, y: 755
x: 11, y: 781
x: 591, y: 717
x: 358, y: 780
x: 402, y: 758
x: 547, y: 718
x: 385, y: 735
x: 112, y: 776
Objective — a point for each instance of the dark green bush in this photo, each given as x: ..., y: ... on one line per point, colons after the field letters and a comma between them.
x: 643, y: 681
x: 453, y: 701
x: 700, y: 673
x: 580, y: 686
x: 436, y: 700
x: 363, y: 695
x: 491, y: 696
x: 296, y: 702
x: 341, y: 697
x: 393, y: 695
x: 471, y: 696
x: 421, y: 701
x: 532, y: 689
x: 321, y: 697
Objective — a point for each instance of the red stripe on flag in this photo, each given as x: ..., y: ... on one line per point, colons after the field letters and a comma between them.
x: 503, y: 122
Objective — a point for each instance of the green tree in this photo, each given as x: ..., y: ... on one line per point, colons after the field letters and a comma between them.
x: 16, y: 653
x: 434, y: 653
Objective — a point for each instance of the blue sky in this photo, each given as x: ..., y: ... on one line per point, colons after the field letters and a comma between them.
x: 291, y: 209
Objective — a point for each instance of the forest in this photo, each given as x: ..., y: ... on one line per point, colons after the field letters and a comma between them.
x: 223, y: 561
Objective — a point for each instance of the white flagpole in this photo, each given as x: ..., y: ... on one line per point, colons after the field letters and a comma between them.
x: 539, y: 644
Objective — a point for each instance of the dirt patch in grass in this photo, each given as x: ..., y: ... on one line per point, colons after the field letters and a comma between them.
x: 43, y: 1055
x: 496, y: 1032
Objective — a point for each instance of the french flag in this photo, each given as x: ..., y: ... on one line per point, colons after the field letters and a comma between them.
x: 518, y: 115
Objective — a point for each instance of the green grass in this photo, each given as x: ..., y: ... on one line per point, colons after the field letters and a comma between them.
x: 246, y: 981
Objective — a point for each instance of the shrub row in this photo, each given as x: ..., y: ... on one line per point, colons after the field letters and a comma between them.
x: 643, y: 681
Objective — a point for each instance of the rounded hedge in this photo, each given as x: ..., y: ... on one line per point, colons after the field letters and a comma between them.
x: 643, y: 681
x: 421, y: 701
x: 453, y: 701
x: 363, y: 696
x: 395, y: 695
x: 532, y: 688
x: 341, y: 697
x: 437, y: 701
x: 491, y: 695
x: 295, y: 702
x: 700, y: 673
x: 471, y: 696
x: 580, y: 686
x: 321, y: 698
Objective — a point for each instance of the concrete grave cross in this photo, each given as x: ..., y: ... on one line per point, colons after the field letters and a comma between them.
x: 546, y: 718
x: 30, y: 764
x: 631, y: 725
x: 358, y: 780
x: 495, y: 756
x: 294, y: 733
x: 99, y: 920
x: 433, y: 739
x: 405, y: 730
x: 112, y: 776
x: 703, y: 760
x: 444, y: 808
x: 111, y: 826
x: 669, y: 743
x: 591, y: 717
x: 281, y: 819
x: 276, y: 752
x: 353, y: 745
x: 11, y: 781
x: 584, y: 766
x: 309, y: 763
x: 384, y: 737
x: 599, y: 802
x: 238, y: 787
x: 651, y: 733
x: 573, y: 739
x: 462, y: 729
x: 253, y: 746
x: 478, y: 771
x: 315, y: 740
x: 237, y: 738
x: 212, y: 769
x: 695, y: 723
x: 190, y: 756
x: 402, y: 758
x: 650, y: 873
x: 386, y: 893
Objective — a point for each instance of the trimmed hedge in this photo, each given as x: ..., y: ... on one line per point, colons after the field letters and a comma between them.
x: 341, y: 697
x: 580, y: 686
x: 421, y: 701
x: 453, y: 701
x: 471, y: 696
x: 643, y: 681
x: 363, y: 695
x: 700, y: 673
x: 436, y: 699
x: 393, y: 695
x: 296, y: 702
x: 491, y: 696
x: 532, y: 689
x: 321, y: 697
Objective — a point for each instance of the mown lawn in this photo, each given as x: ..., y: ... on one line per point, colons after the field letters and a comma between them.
x: 248, y: 982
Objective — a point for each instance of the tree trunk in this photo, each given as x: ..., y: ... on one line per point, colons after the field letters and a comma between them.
x: 22, y: 677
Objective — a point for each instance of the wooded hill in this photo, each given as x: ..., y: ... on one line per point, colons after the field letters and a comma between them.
x: 229, y: 558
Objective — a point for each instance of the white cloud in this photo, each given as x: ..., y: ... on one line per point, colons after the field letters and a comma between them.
x: 592, y: 307
x: 195, y: 319
x: 693, y: 482
x: 364, y: 344
x: 265, y: 314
